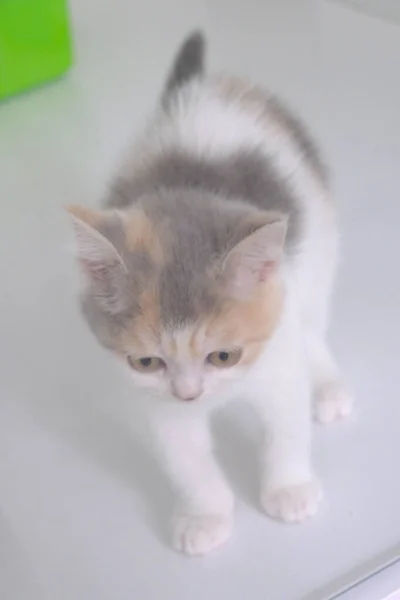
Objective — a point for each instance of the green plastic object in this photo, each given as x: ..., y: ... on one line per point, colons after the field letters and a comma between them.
x: 35, y: 43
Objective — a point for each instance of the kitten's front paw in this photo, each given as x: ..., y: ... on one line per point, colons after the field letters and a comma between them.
x: 333, y: 403
x: 293, y: 504
x: 199, y: 534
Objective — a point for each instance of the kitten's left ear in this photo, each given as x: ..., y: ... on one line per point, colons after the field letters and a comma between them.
x: 101, y: 264
x: 255, y: 258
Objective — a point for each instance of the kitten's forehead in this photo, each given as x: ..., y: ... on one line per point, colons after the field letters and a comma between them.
x: 245, y: 325
x: 237, y: 325
x: 178, y: 251
x: 184, y: 342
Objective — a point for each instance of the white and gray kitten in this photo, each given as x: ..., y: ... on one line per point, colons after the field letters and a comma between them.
x: 208, y: 273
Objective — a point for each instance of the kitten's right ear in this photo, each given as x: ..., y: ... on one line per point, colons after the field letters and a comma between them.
x: 254, y: 259
x: 102, y: 266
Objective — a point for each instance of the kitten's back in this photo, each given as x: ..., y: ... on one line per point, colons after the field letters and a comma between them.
x: 225, y: 133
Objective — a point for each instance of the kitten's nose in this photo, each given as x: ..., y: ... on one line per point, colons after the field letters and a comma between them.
x: 185, y: 391
x: 187, y: 398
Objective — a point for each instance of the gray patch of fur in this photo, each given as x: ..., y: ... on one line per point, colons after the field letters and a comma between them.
x: 202, y: 228
x: 246, y: 176
x: 301, y: 137
x: 206, y: 207
x: 189, y: 63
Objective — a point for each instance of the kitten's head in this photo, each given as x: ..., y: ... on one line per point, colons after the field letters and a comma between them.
x: 185, y: 289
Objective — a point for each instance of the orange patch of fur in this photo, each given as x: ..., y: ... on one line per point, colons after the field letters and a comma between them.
x: 142, y: 236
x: 91, y: 217
x: 145, y: 328
x: 194, y: 346
x: 149, y: 320
x: 173, y: 347
x: 249, y: 323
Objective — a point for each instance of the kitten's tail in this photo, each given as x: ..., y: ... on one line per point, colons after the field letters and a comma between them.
x: 188, y: 64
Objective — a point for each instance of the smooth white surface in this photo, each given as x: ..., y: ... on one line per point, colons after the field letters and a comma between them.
x: 83, y: 510
x: 385, y: 9
x: 385, y: 585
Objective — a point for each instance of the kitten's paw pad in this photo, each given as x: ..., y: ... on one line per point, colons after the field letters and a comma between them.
x: 198, y: 535
x: 293, y: 504
x: 333, y: 403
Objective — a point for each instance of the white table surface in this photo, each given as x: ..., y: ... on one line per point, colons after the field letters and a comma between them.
x: 82, y: 508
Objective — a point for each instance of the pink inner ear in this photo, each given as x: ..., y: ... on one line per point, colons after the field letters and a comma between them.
x: 255, y: 258
x: 266, y: 269
x: 247, y: 276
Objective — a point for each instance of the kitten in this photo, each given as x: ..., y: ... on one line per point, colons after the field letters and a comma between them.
x: 209, y: 273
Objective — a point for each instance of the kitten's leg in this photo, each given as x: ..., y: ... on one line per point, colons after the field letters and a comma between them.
x: 332, y: 401
x: 289, y: 490
x: 204, y: 515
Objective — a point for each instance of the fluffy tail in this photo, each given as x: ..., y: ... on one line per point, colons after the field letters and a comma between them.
x: 188, y: 64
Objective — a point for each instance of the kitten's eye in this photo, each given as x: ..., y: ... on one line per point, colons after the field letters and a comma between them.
x: 224, y: 358
x: 147, y: 364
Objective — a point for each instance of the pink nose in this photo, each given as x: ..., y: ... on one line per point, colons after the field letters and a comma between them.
x: 187, y: 393
x: 186, y: 398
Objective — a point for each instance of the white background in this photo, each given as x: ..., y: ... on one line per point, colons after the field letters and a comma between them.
x: 83, y: 509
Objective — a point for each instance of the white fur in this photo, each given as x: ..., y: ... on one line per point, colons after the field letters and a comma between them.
x: 294, y: 364
x: 204, y: 124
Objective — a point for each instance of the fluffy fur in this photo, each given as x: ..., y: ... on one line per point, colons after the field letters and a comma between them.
x: 218, y: 243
